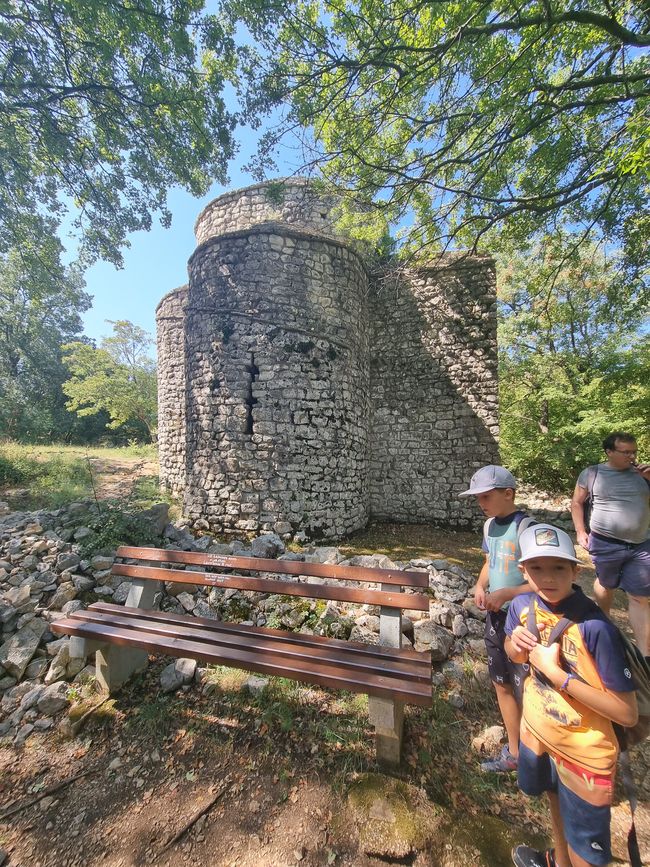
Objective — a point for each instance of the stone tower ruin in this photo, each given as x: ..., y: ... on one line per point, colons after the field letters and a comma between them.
x: 300, y: 388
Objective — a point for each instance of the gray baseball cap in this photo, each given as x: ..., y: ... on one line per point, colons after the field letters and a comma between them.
x: 545, y: 540
x: 488, y: 478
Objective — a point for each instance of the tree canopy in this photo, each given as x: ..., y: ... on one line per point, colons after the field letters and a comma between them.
x: 41, y: 303
x: 473, y: 123
x: 103, y: 107
x: 574, y: 359
x: 119, y: 378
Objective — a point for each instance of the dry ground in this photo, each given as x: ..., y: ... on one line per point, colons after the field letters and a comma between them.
x: 274, y: 768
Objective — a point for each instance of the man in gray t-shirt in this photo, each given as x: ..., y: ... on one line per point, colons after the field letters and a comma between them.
x: 619, y: 537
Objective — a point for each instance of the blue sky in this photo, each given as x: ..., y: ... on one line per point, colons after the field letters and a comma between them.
x: 155, y: 263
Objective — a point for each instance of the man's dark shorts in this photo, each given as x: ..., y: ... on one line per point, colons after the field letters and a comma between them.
x: 501, y: 669
x: 621, y: 564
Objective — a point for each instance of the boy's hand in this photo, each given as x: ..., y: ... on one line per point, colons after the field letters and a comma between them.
x: 479, y: 597
x: 522, y: 640
x: 547, y: 660
x: 495, y: 601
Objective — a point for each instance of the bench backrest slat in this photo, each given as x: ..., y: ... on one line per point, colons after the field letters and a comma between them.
x: 416, y: 601
x: 283, y: 567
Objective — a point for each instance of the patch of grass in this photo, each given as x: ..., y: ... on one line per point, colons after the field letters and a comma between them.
x: 404, y: 542
x: 146, y: 491
x: 52, y: 478
x: 57, y: 474
x: 155, y: 717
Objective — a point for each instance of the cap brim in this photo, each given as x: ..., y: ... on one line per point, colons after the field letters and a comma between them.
x: 470, y: 491
x: 557, y: 555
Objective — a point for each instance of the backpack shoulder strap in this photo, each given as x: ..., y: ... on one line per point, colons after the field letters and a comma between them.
x: 559, y: 629
x: 531, y: 620
x: 556, y: 633
x: 524, y: 524
x: 592, y: 472
x: 486, y: 530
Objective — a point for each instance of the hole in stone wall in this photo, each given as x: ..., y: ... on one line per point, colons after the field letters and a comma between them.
x: 253, y: 372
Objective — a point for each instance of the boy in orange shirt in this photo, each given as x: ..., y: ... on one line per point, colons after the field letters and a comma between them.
x: 579, y: 686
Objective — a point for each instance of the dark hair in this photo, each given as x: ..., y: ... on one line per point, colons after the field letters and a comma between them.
x: 609, y: 443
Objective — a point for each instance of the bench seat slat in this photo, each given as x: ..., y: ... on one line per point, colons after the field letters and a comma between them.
x: 305, y: 669
x: 415, y: 601
x: 287, y: 567
x: 278, y: 646
x: 371, y: 650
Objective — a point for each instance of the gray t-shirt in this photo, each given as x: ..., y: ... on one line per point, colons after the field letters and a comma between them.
x: 621, y: 508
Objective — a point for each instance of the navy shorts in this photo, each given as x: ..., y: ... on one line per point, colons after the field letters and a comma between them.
x: 621, y: 564
x: 501, y: 669
x: 586, y: 826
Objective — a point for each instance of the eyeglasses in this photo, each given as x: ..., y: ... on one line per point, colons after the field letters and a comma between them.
x: 629, y: 453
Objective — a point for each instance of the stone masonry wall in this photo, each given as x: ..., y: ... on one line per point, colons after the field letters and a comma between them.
x: 433, y: 389
x: 278, y: 383
x: 297, y: 392
x: 290, y: 201
x: 170, y: 328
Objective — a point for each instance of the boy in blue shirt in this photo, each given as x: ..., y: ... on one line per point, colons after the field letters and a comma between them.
x: 580, y: 685
x: 500, y: 581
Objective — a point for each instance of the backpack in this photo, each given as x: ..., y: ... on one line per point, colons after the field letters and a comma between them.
x: 524, y: 524
x: 588, y: 505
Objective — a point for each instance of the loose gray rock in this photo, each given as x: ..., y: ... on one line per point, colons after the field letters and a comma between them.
x: 158, y: 515
x: 121, y: 592
x: 17, y: 652
x: 177, y: 674
x: 267, y: 546
x: 187, y: 601
x: 430, y: 636
x: 67, y: 561
x: 17, y: 596
x: 23, y: 733
x: 65, y: 593
x: 53, y: 699
x: 255, y: 684
x: 100, y: 563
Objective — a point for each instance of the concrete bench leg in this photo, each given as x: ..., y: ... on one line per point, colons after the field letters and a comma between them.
x: 387, y: 716
x: 115, y: 665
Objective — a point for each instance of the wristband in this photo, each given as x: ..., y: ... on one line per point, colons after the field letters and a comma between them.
x: 570, y: 676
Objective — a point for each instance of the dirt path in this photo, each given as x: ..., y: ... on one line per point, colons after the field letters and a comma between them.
x: 114, y: 479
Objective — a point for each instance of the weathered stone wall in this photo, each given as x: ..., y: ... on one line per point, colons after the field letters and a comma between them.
x: 277, y: 383
x: 170, y: 328
x: 289, y: 201
x: 298, y: 393
x: 433, y: 389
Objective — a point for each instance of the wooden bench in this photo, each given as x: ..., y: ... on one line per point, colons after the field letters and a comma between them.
x: 391, y: 676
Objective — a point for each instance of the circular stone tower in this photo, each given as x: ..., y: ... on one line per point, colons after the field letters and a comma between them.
x: 170, y: 331
x: 276, y: 368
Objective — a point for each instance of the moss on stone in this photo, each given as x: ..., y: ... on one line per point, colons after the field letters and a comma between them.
x: 393, y: 819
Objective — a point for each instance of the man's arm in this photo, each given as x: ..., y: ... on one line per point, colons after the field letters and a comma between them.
x: 580, y: 495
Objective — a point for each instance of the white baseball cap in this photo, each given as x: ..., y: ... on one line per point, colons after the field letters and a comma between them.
x: 488, y: 478
x: 544, y: 540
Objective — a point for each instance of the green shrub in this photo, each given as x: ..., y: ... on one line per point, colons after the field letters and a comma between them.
x: 115, y: 526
